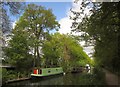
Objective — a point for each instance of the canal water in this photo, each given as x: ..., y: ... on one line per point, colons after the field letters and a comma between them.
x: 67, y: 79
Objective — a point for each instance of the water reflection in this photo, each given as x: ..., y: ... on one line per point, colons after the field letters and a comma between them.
x: 55, y: 80
x: 68, y: 79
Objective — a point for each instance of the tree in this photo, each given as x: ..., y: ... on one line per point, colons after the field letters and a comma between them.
x: 17, y: 52
x: 9, y: 8
x: 37, y: 21
x: 52, y: 50
x: 102, y: 29
x: 65, y: 51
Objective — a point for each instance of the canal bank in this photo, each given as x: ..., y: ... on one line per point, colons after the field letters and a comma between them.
x: 111, y: 78
x: 67, y: 79
x: 17, y: 80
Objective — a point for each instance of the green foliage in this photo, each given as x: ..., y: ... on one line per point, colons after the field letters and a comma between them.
x: 12, y: 74
x: 0, y: 73
x: 64, y: 50
x: 106, y: 23
x: 101, y: 28
x: 8, y: 75
x: 18, y: 51
x: 4, y: 74
x: 27, y: 37
x: 37, y: 21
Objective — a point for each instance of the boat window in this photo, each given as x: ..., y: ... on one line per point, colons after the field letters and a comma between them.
x: 40, y: 71
x: 49, y: 71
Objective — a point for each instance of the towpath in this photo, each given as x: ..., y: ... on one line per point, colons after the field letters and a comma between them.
x: 111, y: 78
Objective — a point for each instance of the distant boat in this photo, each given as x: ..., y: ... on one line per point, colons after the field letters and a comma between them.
x: 77, y: 69
x: 44, y: 72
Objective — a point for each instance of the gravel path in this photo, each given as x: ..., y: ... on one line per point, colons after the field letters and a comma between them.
x: 111, y: 78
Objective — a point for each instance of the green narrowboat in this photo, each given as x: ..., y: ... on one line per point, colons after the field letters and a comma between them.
x: 43, y: 72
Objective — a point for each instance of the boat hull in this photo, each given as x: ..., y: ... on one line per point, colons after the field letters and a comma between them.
x: 45, y: 77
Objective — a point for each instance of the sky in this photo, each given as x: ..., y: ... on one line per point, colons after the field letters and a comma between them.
x: 62, y: 12
x: 59, y: 9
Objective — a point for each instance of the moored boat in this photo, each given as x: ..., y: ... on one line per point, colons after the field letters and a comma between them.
x: 77, y: 69
x: 43, y: 72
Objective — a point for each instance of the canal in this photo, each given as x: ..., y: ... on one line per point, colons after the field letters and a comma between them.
x: 67, y: 79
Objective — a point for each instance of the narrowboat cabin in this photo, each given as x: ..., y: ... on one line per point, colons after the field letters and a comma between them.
x: 43, y: 72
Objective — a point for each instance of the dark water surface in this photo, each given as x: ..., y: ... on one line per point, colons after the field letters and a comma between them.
x: 68, y: 79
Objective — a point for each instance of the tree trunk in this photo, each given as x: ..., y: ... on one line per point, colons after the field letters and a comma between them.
x: 38, y: 56
x: 34, y: 57
x: 1, y: 43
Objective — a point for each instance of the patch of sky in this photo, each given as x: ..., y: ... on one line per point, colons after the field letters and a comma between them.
x: 59, y: 9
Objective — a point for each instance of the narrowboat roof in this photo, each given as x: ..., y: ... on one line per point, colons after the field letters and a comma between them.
x: 48, y: 68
